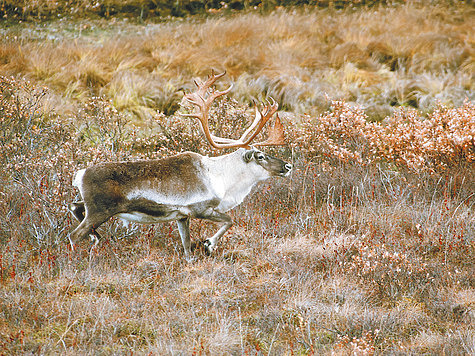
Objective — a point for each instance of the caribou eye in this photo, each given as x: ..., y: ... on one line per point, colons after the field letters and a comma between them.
x: 260, y: 156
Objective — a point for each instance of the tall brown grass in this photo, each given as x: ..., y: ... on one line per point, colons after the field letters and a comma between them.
x: 358, y: 252
x: 380, y: 58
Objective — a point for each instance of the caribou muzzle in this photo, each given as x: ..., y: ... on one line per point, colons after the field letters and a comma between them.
x: 287, y: 169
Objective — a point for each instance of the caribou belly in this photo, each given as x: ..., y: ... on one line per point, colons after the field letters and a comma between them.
x: 143, y: 218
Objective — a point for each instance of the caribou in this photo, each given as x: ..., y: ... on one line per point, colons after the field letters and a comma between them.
x: 184, y: 186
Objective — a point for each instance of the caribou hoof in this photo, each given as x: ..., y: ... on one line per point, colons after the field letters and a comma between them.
x: 191, y: 259
x: 207, y: 246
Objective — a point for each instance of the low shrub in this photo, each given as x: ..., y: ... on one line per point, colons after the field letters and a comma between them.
x: 367, y: 248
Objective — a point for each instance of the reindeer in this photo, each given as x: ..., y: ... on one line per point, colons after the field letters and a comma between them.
x: 184, y: 186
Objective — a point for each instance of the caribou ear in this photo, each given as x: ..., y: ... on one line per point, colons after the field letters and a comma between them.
x: 248, y: 156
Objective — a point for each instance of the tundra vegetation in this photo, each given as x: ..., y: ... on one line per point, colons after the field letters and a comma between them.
x: 367, y: 248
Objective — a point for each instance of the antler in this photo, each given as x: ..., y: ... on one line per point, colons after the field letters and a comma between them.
x: 203, y: 104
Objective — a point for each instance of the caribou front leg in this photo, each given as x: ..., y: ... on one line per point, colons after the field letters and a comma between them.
x: 210, y: 243
x: 184, y: 230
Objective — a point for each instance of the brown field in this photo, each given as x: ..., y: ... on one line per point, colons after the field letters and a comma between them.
x: 367, y: 248
x: 379, y: 58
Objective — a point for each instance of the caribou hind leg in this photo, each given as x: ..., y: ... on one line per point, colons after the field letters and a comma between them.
x: 87, y: 225
x: 77, y: 209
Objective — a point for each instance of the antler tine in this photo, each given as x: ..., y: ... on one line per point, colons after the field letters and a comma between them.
x: 217, y: 94
x: 260, y: 120
x: 275, y: 135
x: 198, y: 97
x: 271, y: 105
x: 204, y: 86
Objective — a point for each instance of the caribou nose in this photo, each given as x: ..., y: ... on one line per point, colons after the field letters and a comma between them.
x: 288, y: 167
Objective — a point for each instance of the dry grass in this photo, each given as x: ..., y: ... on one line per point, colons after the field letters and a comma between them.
x: 341, y: 258
x: 379, y: 58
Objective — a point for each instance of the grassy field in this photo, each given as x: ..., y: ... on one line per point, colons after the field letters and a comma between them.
x: 379, y: 58
x: 367, y: 248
